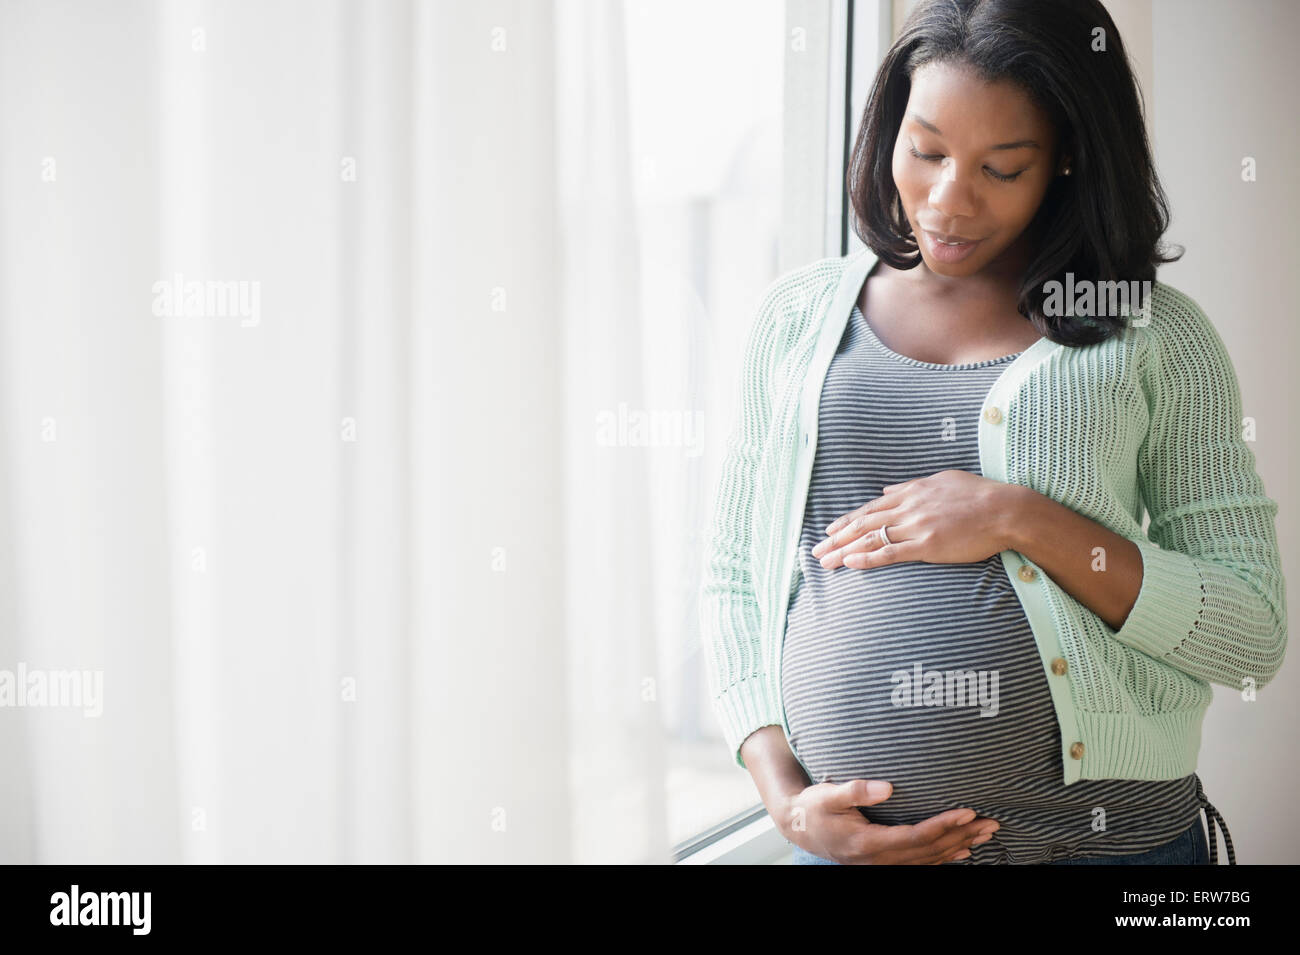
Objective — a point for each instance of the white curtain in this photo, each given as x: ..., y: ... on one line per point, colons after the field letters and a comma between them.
x: 336, y: 525
x: 615, y: 675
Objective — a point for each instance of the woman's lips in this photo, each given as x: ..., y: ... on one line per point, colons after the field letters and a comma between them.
x: 949, y: 253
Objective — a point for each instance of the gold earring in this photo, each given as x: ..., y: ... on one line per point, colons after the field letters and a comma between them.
x: 1065, y: 171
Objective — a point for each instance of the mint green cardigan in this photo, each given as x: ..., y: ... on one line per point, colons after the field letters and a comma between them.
x: 1149, y: 418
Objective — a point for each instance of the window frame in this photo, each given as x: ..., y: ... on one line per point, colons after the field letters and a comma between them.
x: 826, y: 86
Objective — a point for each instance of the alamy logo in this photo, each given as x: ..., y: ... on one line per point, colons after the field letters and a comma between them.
x: 102, y: 908
x: 922, y: 687
x: 209, y: 299
x: 1086, y: 298
x: 649, y: 428
x: 70, y: 688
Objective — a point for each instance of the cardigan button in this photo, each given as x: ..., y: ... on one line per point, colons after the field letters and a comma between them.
x: 1058, y: 666
x: 1076, y: 750
x: 992, y: 414
x: 806, y: 439
x: 1027, y: 573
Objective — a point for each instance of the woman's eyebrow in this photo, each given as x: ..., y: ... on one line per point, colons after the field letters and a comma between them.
x: 1018, y: 144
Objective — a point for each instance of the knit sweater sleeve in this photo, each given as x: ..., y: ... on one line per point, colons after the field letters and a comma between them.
x: 730, y: 620
x: 1212, y: 601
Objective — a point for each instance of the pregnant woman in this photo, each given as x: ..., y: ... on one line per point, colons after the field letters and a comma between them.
x: 936, y: 629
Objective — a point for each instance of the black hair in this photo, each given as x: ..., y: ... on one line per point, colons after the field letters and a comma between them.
x: 1104, y: 221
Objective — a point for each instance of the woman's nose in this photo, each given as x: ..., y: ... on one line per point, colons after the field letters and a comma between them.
x: 951, y: 194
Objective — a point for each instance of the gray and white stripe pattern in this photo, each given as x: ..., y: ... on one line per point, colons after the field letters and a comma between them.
x: 885, y: 418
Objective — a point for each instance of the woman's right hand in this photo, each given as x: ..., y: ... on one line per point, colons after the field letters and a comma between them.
x: 824, y: 819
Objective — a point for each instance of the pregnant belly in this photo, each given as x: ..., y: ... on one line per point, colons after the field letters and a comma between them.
x: 952, y: 709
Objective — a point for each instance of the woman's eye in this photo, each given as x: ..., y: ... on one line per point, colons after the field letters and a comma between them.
x: 1000, y: 177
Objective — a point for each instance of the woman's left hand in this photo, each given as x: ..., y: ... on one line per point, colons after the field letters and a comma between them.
x: 951, y: 517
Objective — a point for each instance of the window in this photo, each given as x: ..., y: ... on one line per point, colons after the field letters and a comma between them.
x: 740, y: 122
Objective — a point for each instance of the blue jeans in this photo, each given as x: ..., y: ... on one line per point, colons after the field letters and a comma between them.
x: 1191, y: 848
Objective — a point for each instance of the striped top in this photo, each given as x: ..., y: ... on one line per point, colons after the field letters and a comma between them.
x: 928, y: 675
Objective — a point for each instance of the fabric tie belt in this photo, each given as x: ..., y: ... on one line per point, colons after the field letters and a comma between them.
x: 1212, y: 818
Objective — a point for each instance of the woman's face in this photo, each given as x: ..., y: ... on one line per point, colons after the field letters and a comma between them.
x: 986, y: 157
